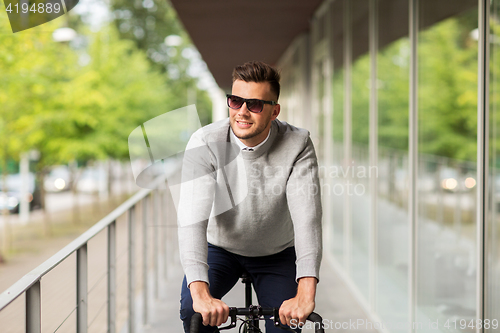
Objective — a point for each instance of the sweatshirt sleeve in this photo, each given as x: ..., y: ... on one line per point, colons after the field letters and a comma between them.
x: 195, y: 203
x: 304, y: 203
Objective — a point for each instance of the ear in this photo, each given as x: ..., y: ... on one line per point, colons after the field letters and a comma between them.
x: 276, y: 111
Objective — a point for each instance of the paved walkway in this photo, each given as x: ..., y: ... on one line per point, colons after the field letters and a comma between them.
x: 334, y: 302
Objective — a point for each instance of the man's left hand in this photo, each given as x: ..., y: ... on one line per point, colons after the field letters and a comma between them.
x: 294, y: 312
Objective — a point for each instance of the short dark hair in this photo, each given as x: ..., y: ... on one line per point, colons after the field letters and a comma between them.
x: 258, y: 71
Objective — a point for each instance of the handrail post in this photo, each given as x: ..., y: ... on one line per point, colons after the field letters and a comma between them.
x: 131, y: 270
x: 30, y: 284
x: 144, y: 206
x: 154, y: 195
x: 81, y: 289
x: 34, y: 309
x: 112, y: 277
x: 163, y: 222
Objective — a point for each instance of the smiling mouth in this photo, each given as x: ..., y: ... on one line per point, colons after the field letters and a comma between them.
x: 243, y: 122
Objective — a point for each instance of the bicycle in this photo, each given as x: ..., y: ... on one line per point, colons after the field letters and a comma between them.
x: 253, y: 314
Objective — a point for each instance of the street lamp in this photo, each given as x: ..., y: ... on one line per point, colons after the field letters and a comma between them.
x: 173, y: 40
x: 64, y: 35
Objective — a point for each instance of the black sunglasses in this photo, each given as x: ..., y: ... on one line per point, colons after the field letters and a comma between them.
x: 253, y: 105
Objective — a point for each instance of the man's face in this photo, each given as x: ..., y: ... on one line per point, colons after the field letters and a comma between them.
x: 252, y: 128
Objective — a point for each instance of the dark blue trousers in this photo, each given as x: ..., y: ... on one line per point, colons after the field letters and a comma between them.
x: 273, y: 278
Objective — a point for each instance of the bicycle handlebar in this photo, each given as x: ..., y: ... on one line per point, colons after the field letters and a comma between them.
x: 195, y: 323
x: 257, y: 311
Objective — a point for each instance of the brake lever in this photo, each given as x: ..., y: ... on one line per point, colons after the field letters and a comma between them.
x: 232, y: 315
x: 277, y: 323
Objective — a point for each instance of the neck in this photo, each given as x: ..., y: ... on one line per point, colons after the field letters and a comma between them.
x: 256, y: 140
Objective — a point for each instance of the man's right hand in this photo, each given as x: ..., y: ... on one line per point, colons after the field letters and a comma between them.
x: 214, y: 311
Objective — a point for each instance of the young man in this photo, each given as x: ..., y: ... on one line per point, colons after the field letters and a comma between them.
x: 272, y: 227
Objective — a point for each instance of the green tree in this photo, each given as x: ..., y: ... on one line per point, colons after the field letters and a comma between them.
x: 447, y: 100
x: 147, y: 23
x: 71, y: 112
x: 448, y: 90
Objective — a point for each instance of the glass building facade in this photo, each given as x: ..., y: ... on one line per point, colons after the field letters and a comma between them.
x: 402, y: 99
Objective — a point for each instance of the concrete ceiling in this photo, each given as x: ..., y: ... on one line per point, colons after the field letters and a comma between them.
x: 230, y: 33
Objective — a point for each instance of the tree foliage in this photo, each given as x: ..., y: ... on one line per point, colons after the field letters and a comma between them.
x: 68, y: 109
x: 447, y: 91
x: 147, y: 23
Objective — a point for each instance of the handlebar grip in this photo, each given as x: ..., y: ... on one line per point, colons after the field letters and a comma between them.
x: 195, y: 323
x: 316, y: 318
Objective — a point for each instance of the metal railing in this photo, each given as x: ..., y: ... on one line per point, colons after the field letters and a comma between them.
x: 31, y: 283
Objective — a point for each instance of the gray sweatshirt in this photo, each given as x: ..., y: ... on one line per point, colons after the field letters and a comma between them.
x: 251, y: 203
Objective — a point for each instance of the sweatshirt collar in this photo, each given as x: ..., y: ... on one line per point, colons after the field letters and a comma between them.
x: 246, y: 148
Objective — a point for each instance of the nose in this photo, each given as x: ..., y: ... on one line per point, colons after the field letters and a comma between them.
x: 243, y: 110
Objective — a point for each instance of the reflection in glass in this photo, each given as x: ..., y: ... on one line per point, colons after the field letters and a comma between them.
x: 358, y: 187
x: 393, y: 62
x: 493, y: 217
x: 447, y: 113
x: 320, y: 111
x: 337, y: 196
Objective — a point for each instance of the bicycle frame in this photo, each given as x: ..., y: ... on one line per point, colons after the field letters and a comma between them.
x: 247, y: 280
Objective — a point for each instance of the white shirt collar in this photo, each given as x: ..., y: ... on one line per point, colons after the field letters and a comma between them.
x: 244, y: 147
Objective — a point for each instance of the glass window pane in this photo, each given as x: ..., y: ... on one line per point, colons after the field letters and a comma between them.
x: 337, y: 193
x: 358, y: 189
x: 447, y: 107
x: 393, y: 61
x: 492, y: 310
